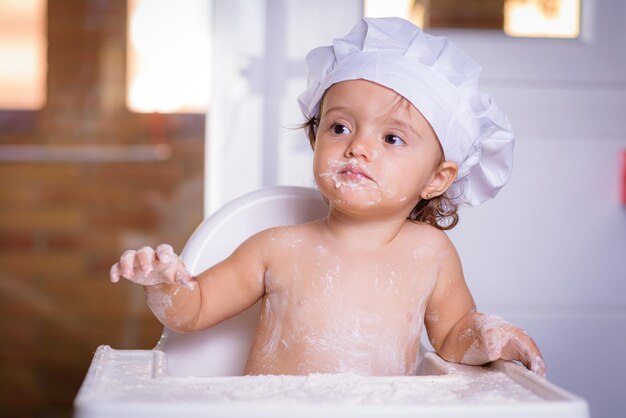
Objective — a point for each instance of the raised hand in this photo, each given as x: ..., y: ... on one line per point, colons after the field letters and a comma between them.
x: 148, y: 266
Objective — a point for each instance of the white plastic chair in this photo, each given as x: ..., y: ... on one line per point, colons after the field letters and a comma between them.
x: 222, y: 350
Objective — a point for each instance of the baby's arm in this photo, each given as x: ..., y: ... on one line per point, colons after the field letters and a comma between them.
x: 188, y: 304
x: 460, y: 334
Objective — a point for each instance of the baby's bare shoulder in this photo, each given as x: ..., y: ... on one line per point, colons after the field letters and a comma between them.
x: 281, y: 236
x: 422, y: 236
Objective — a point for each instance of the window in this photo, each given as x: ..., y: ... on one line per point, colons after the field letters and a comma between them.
x: 22, y: 54
x: 168, y: 56
x: 527, y: 18
x: 542, y: 18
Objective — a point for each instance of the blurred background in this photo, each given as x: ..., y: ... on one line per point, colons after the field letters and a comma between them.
x: 124, y: 123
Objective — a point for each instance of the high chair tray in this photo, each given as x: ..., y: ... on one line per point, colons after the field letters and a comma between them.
x: 130, y: 383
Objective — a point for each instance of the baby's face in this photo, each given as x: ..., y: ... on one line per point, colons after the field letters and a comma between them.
x: 374, y: 151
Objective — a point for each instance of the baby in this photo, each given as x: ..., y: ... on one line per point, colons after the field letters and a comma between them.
x: 401, y: 137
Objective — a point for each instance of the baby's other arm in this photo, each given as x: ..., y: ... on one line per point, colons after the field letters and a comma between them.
x: 449, y: 302
x: 188, y: 304
x: 460, y: 334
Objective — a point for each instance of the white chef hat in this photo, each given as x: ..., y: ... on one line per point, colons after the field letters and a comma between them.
x: 440, y: 80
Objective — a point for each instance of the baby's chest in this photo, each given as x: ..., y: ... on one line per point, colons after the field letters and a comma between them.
x: 331, y: 288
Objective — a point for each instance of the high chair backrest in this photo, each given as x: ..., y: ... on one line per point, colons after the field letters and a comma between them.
x: 222, y: 349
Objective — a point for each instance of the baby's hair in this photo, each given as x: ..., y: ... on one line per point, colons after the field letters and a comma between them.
x: 439, y: 211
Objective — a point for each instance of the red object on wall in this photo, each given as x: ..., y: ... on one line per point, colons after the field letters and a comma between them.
x: 623, y: 177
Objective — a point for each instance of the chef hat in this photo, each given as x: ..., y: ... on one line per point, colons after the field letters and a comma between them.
x: 440, y: 80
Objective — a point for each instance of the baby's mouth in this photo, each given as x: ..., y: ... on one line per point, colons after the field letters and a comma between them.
x: 354, y: 172
x: 350, y: 174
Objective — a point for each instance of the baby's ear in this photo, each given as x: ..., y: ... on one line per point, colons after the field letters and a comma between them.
x: 444, y: 177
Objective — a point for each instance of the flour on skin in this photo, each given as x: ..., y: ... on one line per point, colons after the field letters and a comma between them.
x: 353, y: 175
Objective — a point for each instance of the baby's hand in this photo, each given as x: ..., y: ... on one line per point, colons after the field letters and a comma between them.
x: 494, y: 339
x: 148, y: 267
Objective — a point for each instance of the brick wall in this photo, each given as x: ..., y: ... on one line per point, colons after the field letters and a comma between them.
x: 62, y: 224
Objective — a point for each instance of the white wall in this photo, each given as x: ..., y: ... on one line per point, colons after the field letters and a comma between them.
x: 549, y: 253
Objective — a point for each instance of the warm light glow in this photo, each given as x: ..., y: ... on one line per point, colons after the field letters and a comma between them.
x: 22, y: 54
x: 169, y: 56
x: 542, y: 18
x: 531, y: 18
x: 407, y: 9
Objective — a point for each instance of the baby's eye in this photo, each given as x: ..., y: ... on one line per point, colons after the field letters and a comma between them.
x: 394, y: 140
x: 340, y: 129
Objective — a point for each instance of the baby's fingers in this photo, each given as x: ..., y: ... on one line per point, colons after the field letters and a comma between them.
x: 127, y: 264
x: 174, y: 269
x: 522, y: 348
x: 114, y: 274
x: 165, y: 253
x: 146, y: 256
x: 149, y: 267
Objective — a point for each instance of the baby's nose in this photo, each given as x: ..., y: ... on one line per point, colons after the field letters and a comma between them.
x: 357, y: 151
x: 359, y: 148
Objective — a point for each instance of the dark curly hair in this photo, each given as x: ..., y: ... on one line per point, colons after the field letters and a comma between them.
x: 440, y: 211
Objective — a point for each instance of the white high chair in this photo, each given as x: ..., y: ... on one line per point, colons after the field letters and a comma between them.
x: 200, y: 374
x: 213, y: 241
